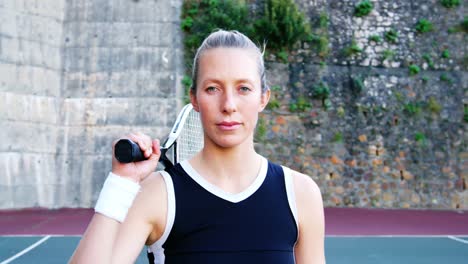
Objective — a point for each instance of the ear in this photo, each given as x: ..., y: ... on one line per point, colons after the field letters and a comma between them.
x: 193, y: 100
x: 265, y: 98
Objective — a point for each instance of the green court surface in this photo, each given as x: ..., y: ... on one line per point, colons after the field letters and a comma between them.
x: 338, y: 249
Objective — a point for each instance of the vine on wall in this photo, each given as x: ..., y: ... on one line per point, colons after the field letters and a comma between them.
x: 278, y: 23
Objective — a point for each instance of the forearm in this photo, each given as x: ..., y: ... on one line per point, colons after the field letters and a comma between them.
x: 114, y: 201
x: 97, y: 242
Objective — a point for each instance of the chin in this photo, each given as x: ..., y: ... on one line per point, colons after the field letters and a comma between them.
x: 229, y: 141
x: 228, y: 144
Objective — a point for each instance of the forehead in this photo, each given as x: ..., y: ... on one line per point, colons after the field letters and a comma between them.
x: 233, y: 62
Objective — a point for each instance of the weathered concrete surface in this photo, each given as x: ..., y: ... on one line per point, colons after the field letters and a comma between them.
x: 74, y: 76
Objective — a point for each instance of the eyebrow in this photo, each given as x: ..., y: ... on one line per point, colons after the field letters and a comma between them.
x: 244, y: 80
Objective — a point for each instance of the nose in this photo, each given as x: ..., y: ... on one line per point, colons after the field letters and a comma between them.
x: 229, y: 104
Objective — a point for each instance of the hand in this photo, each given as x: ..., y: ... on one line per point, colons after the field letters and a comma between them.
x: 137, y: 171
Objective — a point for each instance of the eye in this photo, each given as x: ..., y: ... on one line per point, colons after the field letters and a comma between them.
x: 210, y: 89
x: 245, y: 89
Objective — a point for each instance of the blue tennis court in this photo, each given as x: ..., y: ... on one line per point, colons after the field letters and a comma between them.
x: 353, y: 235
x: 339, y: 249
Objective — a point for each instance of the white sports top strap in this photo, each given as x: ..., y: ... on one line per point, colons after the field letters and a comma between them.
x: 156, y: 248
x: 290, y: 193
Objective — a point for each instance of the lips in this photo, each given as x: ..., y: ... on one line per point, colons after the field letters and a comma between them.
x: 225, y: 125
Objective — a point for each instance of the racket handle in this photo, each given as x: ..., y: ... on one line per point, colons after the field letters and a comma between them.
x: 127, y: 151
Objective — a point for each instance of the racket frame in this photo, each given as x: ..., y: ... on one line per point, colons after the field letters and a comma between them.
x: 171, y: 140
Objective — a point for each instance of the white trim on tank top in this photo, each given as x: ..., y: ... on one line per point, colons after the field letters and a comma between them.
x: 156, y: 247
x: 288, y: 180
x: 215, y: 190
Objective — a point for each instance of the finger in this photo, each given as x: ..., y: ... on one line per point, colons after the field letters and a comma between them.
x: 147, y: 142
x: 156, y: 149
x: 147, y: 153
x: 135, y: 138
x: 156, y: 146
x: 142, y: 140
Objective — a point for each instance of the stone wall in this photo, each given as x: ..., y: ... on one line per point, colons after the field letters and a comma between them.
x: 384, y: 137
x: 75, y: 75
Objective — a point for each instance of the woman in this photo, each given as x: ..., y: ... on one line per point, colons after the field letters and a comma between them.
x: 227, y: 204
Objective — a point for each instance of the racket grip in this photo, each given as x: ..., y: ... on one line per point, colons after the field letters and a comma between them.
x: 127, y: 151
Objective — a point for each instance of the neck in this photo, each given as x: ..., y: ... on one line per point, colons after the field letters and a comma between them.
x: 232, y: 169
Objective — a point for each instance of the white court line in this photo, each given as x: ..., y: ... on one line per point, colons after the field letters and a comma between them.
x: 26, y: 250
x: 454, y: 238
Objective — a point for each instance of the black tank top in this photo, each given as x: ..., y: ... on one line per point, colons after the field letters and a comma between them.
x: 254, y: 226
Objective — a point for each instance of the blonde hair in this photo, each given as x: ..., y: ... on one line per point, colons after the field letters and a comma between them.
x: 229, y: 39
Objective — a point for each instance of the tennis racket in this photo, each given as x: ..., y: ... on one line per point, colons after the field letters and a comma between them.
x: 184, y: 140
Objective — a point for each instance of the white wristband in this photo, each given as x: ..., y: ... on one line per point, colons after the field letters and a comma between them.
x: 116, y: 197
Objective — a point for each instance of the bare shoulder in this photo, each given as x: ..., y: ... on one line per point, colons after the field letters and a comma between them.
x: 305, y: 187
x: 151, y: 203
x: 154, y: 182
x: 153, y: 192
x: 310, y: 245
x: 308, y: 198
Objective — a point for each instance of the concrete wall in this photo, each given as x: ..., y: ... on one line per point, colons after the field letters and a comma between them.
x: 30, y: 88
x: 74, y: 75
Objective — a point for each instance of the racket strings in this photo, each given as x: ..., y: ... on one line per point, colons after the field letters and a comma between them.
x: 190, y: 140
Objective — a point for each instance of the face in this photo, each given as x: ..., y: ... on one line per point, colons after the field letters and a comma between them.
x: 229, y: 96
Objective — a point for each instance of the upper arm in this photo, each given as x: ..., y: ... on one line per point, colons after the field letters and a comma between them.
x: 145, y: 220
x: 310, y: 245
